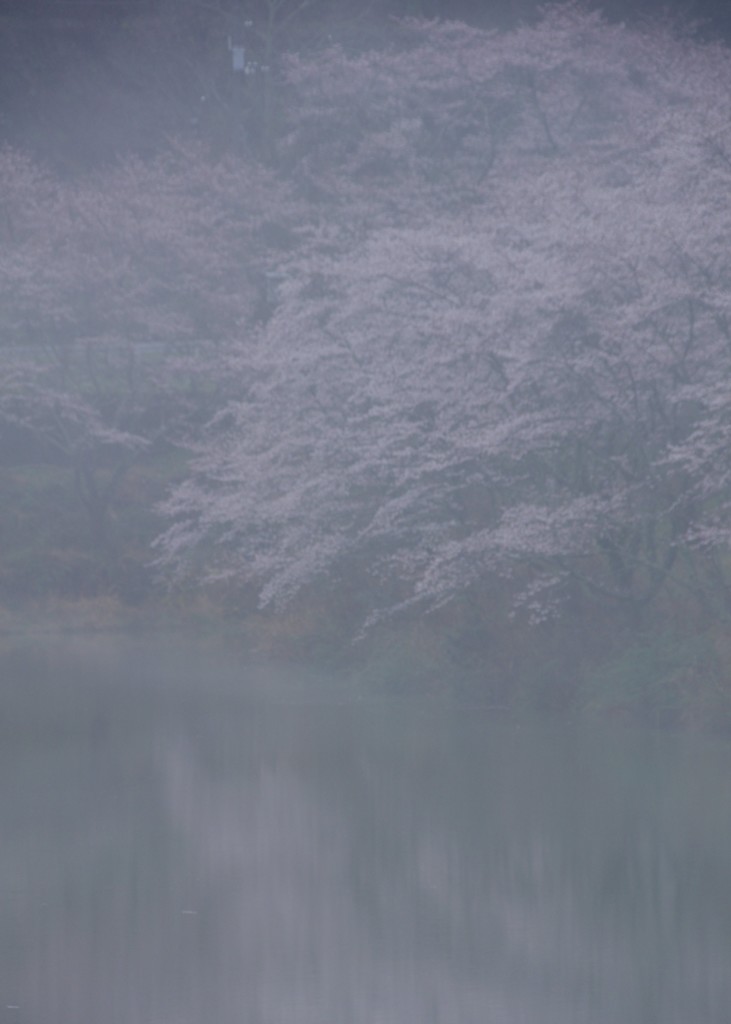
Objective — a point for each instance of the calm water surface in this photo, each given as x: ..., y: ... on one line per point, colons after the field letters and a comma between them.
x: 188, y: 841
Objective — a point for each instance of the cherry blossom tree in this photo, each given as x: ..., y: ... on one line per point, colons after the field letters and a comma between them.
x: 119, y: 292
x: 500, y: 347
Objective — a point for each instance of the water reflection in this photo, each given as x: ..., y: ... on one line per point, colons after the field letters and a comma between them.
x: 179, y: 847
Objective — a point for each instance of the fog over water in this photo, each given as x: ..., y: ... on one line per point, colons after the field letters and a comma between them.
x: 185, y: 839
x: 401, y: 344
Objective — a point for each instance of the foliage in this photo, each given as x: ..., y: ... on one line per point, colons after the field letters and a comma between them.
x: 48, y: 548
x: 662, y: 680
x: 119, y: 292
x: 456, y: 336
x: 501, y: 342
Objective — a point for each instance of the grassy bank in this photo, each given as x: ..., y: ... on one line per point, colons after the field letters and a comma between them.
x: 659, y: 680
x: 672, y: 670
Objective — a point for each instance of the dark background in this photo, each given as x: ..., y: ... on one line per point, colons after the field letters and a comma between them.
x: 83, y: 82
x: 91, y: 13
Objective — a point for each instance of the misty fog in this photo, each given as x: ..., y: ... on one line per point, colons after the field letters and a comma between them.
x: 186, y: 839
x: 365, y: 512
